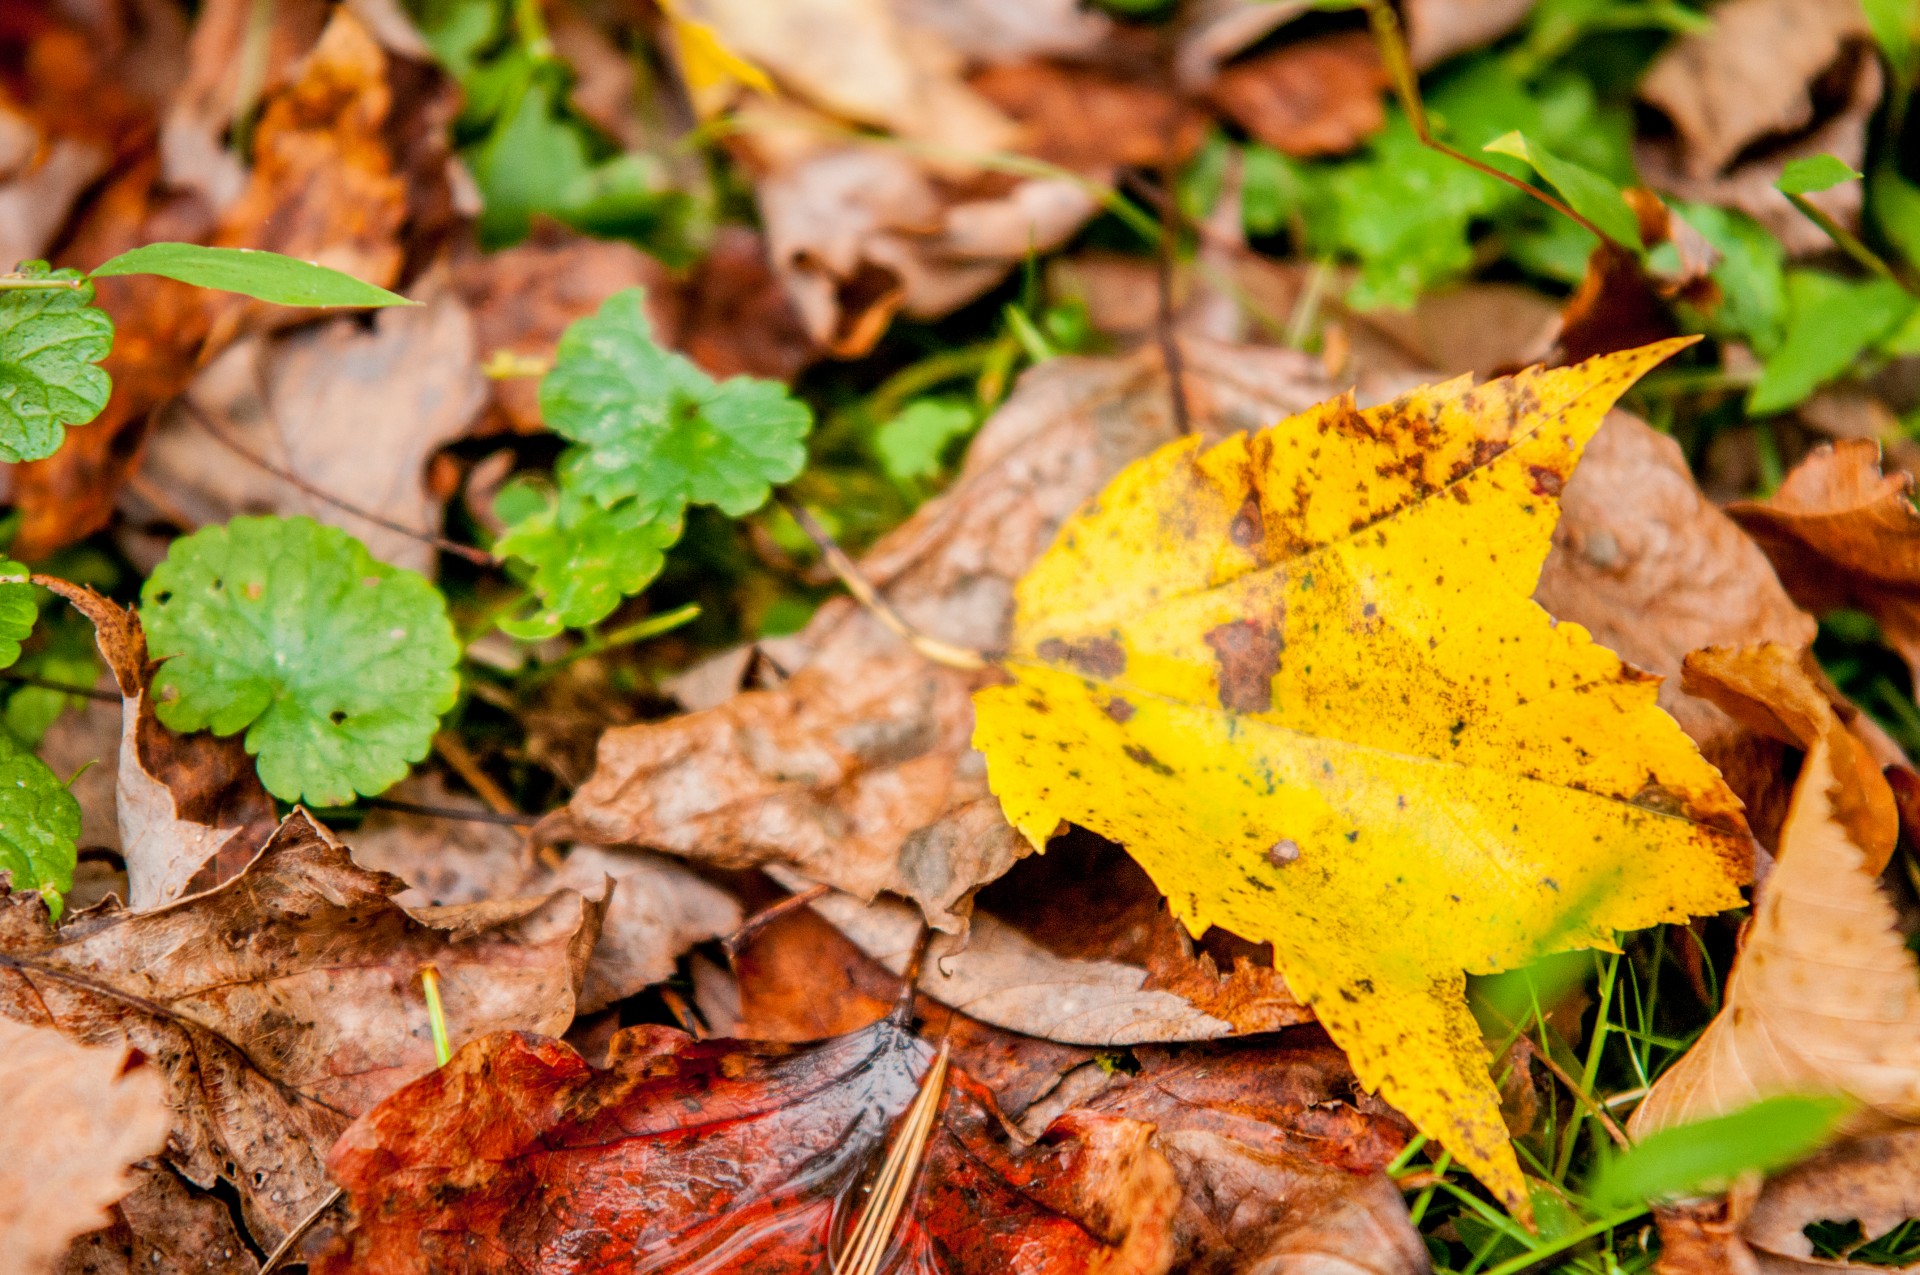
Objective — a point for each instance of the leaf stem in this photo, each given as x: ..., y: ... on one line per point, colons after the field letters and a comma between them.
x: 866, y: 595
x: 436, y: 1015
x: 14, y: 283
x: 1847, y: 241
x: 1406, y: 86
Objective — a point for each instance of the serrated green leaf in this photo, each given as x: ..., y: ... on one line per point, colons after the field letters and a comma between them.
x: 585, y: 559
x: 1586, y: 192
x: 39, y: 824
x: 336, y: 665
x: 1704, y: 1156
x: 658, y: 430
x: 264, y: 276
x: 18, y: 611
x: 50, y: 341
x: 1813, y: 174
x: 913, y: 444
x: 1831, y: 321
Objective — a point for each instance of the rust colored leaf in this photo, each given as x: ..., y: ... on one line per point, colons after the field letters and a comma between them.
x: 858, y: 771
x: 80, y: 1118
x: 694, y: 1156
x: 1091, y: 120
x: 1653, y: 570
x: 279, y: 1005
x: 1314, y: 97
x: 1841, y: 533
x: 191, y: 810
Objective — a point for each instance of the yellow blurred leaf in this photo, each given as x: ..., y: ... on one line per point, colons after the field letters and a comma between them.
x: 709, y: 68
x: 1300, y: 677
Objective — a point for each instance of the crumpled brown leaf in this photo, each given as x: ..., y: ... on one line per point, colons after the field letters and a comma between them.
x: 1770, y: 81
x: 1438, y: 29
x: 658, y: 909
x: 1841, y: 533
x: 1279, y: 1158
x: 1873, y: 1181
x: 79, y: 1119
x: 858, y: 771
x: 723, y: 1154
x: 282, y: 1003
x: 1653, y: 570
x: 1824, y: 995
x: 351, y: 405
x: 190, y: 808
x: 163, y: 1227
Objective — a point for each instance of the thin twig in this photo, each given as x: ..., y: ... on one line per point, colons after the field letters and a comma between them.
x: 510, y: 819
x: 467, y: 766
x: 220, y: 434
x: 866, y: 595
x: 751, y: 927
x: 1163, y: 325
x: 1406, y: 86
x: 300, y: 1228
x: 67, y: 688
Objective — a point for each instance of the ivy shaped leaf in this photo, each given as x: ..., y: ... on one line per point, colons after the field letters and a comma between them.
x: 585, y: 558
x: 336, y: 665
x: 657, y: 429
x: 39, y: 824
x: 51, y: 340
x: 18, y: 611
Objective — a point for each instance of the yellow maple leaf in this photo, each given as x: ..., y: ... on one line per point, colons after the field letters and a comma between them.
x: 1300, y: 676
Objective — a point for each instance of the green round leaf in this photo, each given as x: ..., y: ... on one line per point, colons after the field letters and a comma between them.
x: 39, y: 824
x: 585, y: 559
x: 337, y: 666
x: 657, y: 429
x: 18, y: 611
x: 50, y: 340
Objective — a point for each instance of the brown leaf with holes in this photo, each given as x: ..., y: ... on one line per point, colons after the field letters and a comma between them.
x: 1824, y: 995
x: 190, y: 808
x: 1653, y: 569
x: 1313, y: 97
x: 1841, y: 533
x: 282, y: 1003
x: 858, y: 770
x: 723, y: 1154
x: 81, y: 1117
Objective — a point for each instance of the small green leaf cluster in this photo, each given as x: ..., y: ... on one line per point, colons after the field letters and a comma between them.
x: 652, y: 435
x: 531, y: 154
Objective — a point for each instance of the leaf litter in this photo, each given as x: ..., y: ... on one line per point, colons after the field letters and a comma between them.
x: 1021, y: 304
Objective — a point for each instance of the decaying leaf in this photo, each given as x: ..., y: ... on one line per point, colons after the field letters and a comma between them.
x: 79, y: 1119
x: 1317, y: 97
x: 284, y: 1002
x: 1873, y: 1181
x: 1841, y: 533
x: 857, y: 771
x: 1824, y: 994
x: 693, y: 1156
x: 190, y: 809
x: 1653, y: 569
x: 163, y: 1225
x: 1298, y: 675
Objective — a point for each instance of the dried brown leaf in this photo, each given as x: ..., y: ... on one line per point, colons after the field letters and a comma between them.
x: 287, y: 1000
x: 1314, y: 97
x: 163, y: 1227
x: 80, y: 1118
x: 1873, y: 1181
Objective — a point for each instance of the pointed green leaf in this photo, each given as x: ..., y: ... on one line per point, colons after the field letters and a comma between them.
x: 1814, y: 174
x: 50, y: 340
x: 1830, y: 322
x: 1704, y: 1156
x: 336, y: 665
x: 1586, y: 192
x: 39, y: 824
x: 265, y: 276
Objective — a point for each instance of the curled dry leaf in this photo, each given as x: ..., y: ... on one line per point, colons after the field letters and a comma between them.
x: 1299, y: 676
x: 1653, y: 569
x: 190, y: 808
x: 1770, y: 81
x: 1873, y: 1181
x: 1841, y: 533
x: 279, y: 1005
x: 80, y: 1118
x: 1824, y: 995
x: 723, y: 1154
x: 858, y: 771
x: 163, y: 1227
x: 1438, y: 29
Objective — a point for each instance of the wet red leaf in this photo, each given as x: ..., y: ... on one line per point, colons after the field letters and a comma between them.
x: 729, y: 1156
